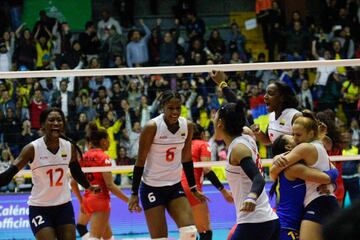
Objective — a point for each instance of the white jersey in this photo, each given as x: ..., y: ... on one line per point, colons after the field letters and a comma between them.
x: 240, y: 186
x: 323, y: 164
x: 282, y: 125
x: 163, y: 163
x: 49, y: 174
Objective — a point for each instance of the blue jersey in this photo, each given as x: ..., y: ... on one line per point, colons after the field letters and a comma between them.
x: 290, y: 208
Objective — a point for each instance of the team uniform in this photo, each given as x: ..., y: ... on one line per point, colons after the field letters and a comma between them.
x: 200, y: 148
x: 162, y: 171
x: 290, y: 208
x: 50, y: 199
x: 262, y: 222
x: 282, y: 125
x: 96, y: 202
x: 318, y: 207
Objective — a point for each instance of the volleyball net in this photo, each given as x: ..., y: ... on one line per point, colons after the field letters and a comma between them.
x: 176, y: 77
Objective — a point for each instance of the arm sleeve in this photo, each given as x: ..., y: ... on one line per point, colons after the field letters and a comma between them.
x: 250, y: 169
x: 78, y: 174
x: 7, y: 175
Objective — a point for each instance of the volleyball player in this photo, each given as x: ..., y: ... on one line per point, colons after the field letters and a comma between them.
x: 290, y: 189
x: 51, y: 214
x: 201, y: 153
x: 98, y: 205
x: 255, y: 217
x: 281, y: 102
x: 165, y: 144
x: 309, y: 149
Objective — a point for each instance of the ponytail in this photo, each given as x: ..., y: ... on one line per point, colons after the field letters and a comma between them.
x: 72, y: 143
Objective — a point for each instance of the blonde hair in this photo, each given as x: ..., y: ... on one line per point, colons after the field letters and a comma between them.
x: 309, y: 122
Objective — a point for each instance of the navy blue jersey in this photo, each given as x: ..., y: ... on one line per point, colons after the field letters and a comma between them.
x: 290, y: 208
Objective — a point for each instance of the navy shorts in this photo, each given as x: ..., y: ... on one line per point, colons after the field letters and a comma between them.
x: 320, y: 208
x: 54, y: 216
x: 269, y: 230
x: 289, y: 234
x: 155, y: 196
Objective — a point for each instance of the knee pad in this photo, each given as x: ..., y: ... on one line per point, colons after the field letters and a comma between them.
x: 82, y: 229
x: 188, y: 233
x: 206, y: 235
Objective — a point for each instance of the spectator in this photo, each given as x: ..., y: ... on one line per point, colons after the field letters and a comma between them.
x: 305, y: 96
x: 236, y: 41
x: 276, y: 20
x: 169, y: 47
x: 6, y: 102
x: 350, y: 169
x: 74, y: 55
x: 6, y: 54
x: 111, y: 129
x: 147, y: 111
x: 80, y: 129
x: 70, y: 80
x: 43, y: 46
x: 64, y: 99
x: 125, y: 10
x: 5, y: 161
x: 355, y: 132
x: 100, y: 81
x: 137, y: 49
x: 84, y: 105
x: 25, y: 52
x: 195, y: 27
x: 26, y: 135
x: 118, y: 94
x: 215, y: 43
x: 331, y: 93
x: 133, y: 131
x: 134, y: 92
x: 11, y: 131
x: 43, y: 25
x: 297, y: 42
x: 62, y: 36
x: 90, y: 44
x: 154, y: 44
x: 350, y: 92
x: 37, y: 105
x: 105, y: 24
x: 112, y: 46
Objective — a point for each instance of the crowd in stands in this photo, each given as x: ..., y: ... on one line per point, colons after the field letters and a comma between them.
x: 123, y: 104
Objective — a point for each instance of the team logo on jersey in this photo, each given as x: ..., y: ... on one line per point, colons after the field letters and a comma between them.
x: 63, y: 154
x: 282, y: 122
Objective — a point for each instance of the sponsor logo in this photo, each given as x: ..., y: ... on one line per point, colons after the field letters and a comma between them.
x: 163, y: 137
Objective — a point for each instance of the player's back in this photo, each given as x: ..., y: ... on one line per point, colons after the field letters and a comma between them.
x: 96, y: 157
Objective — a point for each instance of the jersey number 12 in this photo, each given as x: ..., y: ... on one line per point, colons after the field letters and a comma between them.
x: 51, y: 176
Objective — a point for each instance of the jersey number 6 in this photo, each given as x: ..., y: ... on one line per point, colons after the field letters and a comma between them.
x: 170, y: 154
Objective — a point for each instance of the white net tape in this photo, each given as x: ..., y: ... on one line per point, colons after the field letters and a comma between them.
x: 181, y: 69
